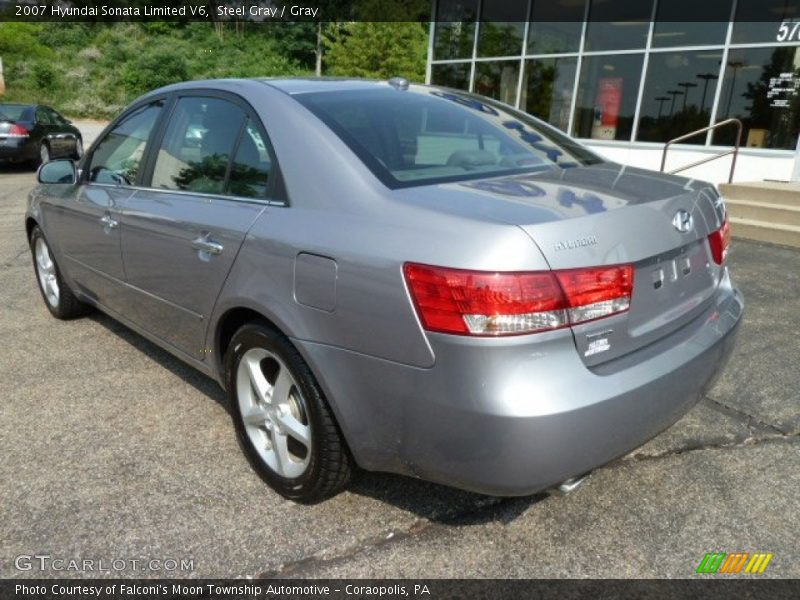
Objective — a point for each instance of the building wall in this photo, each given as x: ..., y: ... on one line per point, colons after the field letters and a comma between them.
x: 626, y: 76
x: 750, y: 165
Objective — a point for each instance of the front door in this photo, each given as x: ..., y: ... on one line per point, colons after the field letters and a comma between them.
x: 181, y: 235
x: 87, y: 218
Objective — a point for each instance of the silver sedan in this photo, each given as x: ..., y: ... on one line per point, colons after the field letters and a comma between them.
x: 397, y: 277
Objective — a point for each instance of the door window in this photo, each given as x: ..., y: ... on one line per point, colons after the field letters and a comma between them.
x: 118, y: 156
x: 43, y: 117
x: 251, y: 166
x: 198, y: 145
x: 55, y: 118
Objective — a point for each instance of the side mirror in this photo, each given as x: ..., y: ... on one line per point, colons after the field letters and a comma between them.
x: 57, y: 171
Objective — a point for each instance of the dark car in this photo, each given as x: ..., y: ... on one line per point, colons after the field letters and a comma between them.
x: 35, y: 133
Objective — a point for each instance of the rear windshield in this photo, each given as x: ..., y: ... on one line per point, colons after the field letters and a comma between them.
x: 422, y: 136
x: 13, y: 112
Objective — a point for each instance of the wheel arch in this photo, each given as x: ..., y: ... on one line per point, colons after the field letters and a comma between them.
x: 30, y: 223
x: 230, y: 322
x: 233, y: 319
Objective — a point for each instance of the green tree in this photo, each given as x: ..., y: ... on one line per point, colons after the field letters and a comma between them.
x: 378, y: 50
x: 153, y: 70
x: 19, y: 41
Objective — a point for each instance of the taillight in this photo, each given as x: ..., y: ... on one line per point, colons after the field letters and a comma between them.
x: 18, y: 131
x: 492, y: 304
x: 597, y: 292
x: 719, y: 241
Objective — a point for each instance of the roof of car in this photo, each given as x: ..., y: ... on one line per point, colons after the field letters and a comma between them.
x: 302, y: 85
x: 291, y: 86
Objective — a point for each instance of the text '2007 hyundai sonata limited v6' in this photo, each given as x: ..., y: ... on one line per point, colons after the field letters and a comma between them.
x: 404, y: 278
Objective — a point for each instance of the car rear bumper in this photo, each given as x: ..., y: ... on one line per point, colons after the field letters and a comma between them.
x: 17, y: 149
x: 519, y: 415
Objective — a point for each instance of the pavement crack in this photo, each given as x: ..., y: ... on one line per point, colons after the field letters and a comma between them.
x: 308, y: 565
x: 11, y: 263
x: 747, y: 442
x: 752, y: 422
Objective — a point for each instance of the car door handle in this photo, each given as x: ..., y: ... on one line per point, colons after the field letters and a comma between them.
x: 109, y: 222
x: 206, y: 245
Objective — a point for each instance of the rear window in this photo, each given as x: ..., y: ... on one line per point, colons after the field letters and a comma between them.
x: 13, y: 112
x: 421, y: 136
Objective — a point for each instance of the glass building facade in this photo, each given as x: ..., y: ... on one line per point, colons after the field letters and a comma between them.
x: 630, y: 71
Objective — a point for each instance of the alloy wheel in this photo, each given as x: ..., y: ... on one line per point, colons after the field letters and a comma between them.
x: 46, y: 270
x: 274, y: 413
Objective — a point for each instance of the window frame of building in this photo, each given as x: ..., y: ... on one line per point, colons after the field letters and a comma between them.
x: 725, y: 46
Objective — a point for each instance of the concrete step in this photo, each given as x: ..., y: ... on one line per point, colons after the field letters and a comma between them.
x: 780, y: 214
x: 769, y: 192
x: 762, y: 231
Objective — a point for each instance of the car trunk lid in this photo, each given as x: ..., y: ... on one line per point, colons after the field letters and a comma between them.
x: 640, y: 220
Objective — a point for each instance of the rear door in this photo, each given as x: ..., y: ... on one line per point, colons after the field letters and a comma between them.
x: 63, y: 132
x: 48, y: 132
x: 208, y: 181
x: 86, y: 222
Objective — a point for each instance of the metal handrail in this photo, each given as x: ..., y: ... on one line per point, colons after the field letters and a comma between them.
x: 734, y: 151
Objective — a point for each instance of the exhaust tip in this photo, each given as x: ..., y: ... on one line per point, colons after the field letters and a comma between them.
x: 571, y: 484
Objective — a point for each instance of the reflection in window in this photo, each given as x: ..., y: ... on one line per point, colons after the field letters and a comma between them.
x: 498, y: 79
x: 761, y: 87
x: 618, y: 24
x: 678, y: 94
x: 547, y: 89
x: 440, y: 135
x: 197, y: 145
x: 760, y: 21
x: 118, y: 156
x: 454, y: 75
x: 454, y: 34
x: 606, y: 100
x: 251, y: 166
x: 502, y: 28
x: 708, y: 27
x: 555, y: 26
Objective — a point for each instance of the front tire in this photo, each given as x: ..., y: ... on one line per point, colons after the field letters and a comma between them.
x: 282, y: 419
x: 78, y: 152
x: 57, y: 296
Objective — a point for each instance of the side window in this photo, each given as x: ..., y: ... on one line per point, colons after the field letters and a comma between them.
x: 118, y: 156
x: 198, y: 145
x: 55, y: 118
x: 43, y: 117
x: 251, y: 166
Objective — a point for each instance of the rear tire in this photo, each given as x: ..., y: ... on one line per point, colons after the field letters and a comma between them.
x: 57, y: 296
x: 282, y: 419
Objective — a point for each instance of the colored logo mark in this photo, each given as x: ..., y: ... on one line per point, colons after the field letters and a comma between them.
x: 736, y: 562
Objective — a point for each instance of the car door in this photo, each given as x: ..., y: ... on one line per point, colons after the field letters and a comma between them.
x: 181, y: 234
x: 44, y: 131
x: 63, y: 132
x: 86, y: 222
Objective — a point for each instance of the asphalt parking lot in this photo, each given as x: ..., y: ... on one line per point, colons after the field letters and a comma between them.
x: 113, y: 449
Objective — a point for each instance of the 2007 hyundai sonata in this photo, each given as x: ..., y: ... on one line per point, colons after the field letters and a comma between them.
x: 404, y: 278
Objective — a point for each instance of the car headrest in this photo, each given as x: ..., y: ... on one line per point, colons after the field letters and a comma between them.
x: 471, y: 158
